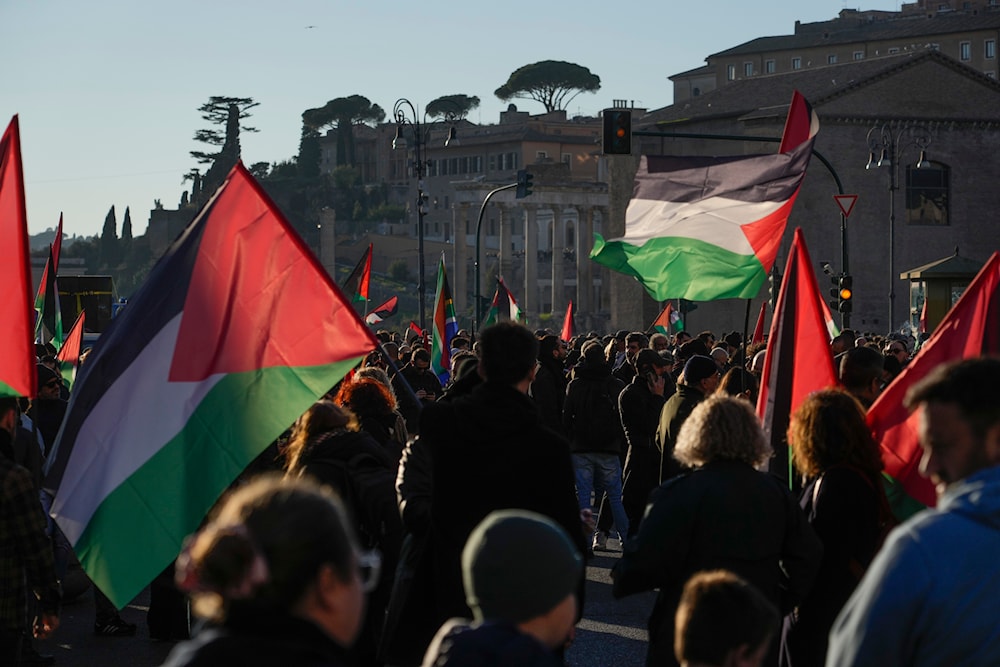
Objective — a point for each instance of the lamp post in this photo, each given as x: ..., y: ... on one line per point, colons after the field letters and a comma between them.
x: 420, y: 133
x: 889, y: 147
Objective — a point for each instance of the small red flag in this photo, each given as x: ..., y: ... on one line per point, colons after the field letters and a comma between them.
x: 758, y: 331
x: 798, y: 359
x: 69, y: 354
x: 17, y: 363
x: 970, y: 329
x: 567, y: 328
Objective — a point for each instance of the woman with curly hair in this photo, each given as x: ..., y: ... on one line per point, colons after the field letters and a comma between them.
x: 327, y: 445
x: 723, y: 514
x: 846, y: 505
x: 278, y: 573
x: 374, y: 404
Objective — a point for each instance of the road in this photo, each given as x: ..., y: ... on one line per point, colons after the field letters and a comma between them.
x: 612, y: 632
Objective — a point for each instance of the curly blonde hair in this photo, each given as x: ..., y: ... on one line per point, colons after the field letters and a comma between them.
x: 829, y: 428
x: 722, y: 428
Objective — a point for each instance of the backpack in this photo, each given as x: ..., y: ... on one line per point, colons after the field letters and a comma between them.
x: 598, y: 426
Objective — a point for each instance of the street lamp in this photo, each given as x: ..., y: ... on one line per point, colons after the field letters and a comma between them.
x: 889, y: 147
x: 420, y: 133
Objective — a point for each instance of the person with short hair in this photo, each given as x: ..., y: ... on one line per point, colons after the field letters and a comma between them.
x: 520, y: 572
x: 278, y: 572
x: 723, y: 621
x: 724, y: 513
x: 861, y: 373
x: 930, y: 596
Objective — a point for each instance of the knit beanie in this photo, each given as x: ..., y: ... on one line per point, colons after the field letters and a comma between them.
x: 698, y: 368
x: 518, y: 565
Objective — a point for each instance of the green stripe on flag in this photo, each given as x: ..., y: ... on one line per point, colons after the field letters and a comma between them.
x: 903, y: 505
x: 683, y: 268
x: 139, y: 528
x: 7, y: 390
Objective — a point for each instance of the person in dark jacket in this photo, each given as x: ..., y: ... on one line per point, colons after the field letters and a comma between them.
x: 327, y: 445
x: 699, y: 379
x: 278, y: 573
x: 639, y: 405
x: 548, y: 389
x: 488, y: 451
x: 724, y: 514
x: 375, y: 407
x: 592, y: 422
x: 520, y: 571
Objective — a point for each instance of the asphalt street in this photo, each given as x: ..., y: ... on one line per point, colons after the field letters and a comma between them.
x: 612, y: 632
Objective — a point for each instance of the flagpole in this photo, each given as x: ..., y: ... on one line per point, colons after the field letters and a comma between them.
x: 746, y: 331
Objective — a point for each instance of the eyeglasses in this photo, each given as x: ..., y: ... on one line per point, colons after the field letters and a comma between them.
x: 895, y: 350
x: 52, y: 384
x: 369, y: 569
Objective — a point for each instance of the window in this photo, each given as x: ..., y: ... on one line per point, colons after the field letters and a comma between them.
x: 493, y: 162
x: 731, y: 73
x: 927, y: 195
x: 796, y: 63
x: 541, y: 155
x: 859, y: 55
x: 990, y: 48
x: 831, y: 59
x: 567, y: 158
x: 892, y: 50
x: 965, y: 50
x: 747, y: 69
x: 477, y: 164
x: 769, y: 67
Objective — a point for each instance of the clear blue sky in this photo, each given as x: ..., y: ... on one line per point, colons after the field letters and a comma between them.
x: 108, y: 90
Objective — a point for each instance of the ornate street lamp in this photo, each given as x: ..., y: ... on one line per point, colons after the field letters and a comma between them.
x: 888, y: 146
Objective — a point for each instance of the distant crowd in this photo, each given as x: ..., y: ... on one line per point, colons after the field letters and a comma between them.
x: 413, y: 519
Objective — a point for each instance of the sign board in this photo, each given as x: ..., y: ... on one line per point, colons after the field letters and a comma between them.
x: 846, y: 203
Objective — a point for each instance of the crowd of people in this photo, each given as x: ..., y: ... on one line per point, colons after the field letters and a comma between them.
x: 404, y: 520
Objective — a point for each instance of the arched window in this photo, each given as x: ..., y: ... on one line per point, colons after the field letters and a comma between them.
x: 927, y: 194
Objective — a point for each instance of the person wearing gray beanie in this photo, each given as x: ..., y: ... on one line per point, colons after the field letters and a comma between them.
x: 520, y: 571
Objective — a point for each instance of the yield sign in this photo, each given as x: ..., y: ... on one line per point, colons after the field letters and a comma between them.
x: 846, y: 203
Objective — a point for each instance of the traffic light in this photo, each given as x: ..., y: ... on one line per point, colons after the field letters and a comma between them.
x: 845, y: 294
x: 617, y: 132
x: 773, y: 288
x: 524, y: 183
x: 842, y: 293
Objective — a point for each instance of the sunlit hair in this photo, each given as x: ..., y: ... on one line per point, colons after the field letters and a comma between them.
x: 738, y: 380
x: 322, y: 417
x: 366, y: 396
x: 264, y: 547
x: 829, y: 428
x: 722, y: 428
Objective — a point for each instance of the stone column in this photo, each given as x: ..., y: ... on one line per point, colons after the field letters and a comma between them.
x: 328, y: 241
x: 459, y: 275
x: 584, y: 267
x: 504, y: 259
x: 626, y: 295
x: 558, y: 262
x: 529, y: 298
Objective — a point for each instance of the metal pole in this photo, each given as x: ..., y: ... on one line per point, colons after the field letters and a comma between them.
x: 479, y: 228
x: 893, y: 185
x: 418, y: 169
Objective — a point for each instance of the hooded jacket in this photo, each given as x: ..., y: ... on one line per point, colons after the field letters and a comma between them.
x: 932, y: 595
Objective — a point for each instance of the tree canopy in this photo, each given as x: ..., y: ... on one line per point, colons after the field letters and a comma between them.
x: 216, y: 112
x: 549, y: 82
x: 452, y: 107
x: 343, y: 113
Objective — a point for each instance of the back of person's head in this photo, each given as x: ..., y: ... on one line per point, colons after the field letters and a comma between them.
x: 722, y: 428
x: 518, y: 565
x: 321, y: 417
x: 721, y: 617
x: 971, y: 385
x: 420, y: 354
x: 739, y: 382
x: 860, y: 367
x: 366, y: 396
x: 508, y: 352
x: 593, y: 353
x: 548, y: 344
x: 828, y: 428
x: 265, y: 546
x: 693, y: 347
x: 377, y: 374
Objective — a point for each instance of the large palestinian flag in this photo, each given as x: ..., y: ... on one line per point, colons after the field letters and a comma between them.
x: 706, y: 228
x: 236, y: 332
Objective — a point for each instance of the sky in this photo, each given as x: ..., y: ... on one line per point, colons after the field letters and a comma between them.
x: 107, y: 91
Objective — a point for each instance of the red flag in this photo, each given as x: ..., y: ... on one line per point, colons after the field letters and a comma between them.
x: 923, y: 317
x: 357, y: 283
x: 758, y: 331
x: 68, y: 356
x: 17, y: 363
x: 420, y: 332
x: 970, y: 329
x: 57, y: 244
x: 798, y: 359
x: 567, y: 328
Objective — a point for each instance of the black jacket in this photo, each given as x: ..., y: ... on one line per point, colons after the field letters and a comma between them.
x: 584, y: 423
x: 725, y: 515
x: 549, y: 393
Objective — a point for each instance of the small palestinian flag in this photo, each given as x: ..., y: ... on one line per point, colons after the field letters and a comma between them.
x: 386, y: 310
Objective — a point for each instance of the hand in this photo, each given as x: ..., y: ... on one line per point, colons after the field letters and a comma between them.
x: 656, y: 385
x: 420, y: 393
x: 45, y: 625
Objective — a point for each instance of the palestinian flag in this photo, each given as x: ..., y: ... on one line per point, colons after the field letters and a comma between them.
x: 706, y: 228
x: 444, y: 327
x: 235, y: 333
x: 798, y: 360
x: 970, y: 329
x: 758, y: 331
x: 358, y: 282
x: 567, y: 327
x: 17, y: 362
x: 832, y: 330
x: 503, y: 307
x: 68, y: 357
x: 387, y: 309
x: 668, y: 320
x: 48, y: 325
